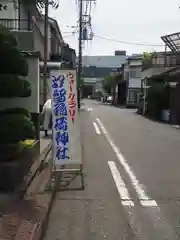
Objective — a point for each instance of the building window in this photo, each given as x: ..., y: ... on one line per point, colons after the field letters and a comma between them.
x: 135, y: 72
x: 132, y: 95
x: 126, y: 76
x: 160, y: 60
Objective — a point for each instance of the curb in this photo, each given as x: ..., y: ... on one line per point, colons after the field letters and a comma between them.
x: 40, y: 163
x: 44, y: 224
x: 46, y: 150
x: 41, y: 226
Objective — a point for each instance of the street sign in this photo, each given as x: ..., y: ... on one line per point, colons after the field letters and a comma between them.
x: 65, y: 117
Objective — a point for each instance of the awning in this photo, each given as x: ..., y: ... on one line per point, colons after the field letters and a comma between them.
x: 169, y: 75
x: 156, y: 71
x: 172, y: 41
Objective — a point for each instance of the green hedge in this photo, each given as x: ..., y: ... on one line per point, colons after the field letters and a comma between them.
x: 14, y: 86
x: 6, y: 37
x: 15, y: 123
x: 12, y: 61
x: 10, y: 151
x: 15, y: 128
x: 21, y: 111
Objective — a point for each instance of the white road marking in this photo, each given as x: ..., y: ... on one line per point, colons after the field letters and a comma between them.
x: 89, y: 109
x: 96, y: 128
x: 149, y: 203
x: 120, y: 185
x: 144, y: 198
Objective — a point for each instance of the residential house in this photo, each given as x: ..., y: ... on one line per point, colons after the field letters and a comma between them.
x: 23, y: 19
x: 26, y: 23
x: 132, y: 77
x: 55, y: 49
x: 56, y: 39
x: 166, y: 66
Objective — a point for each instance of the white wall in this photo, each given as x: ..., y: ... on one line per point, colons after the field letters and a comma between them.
x: 90, y: 80
x: 98, y: 84
x: 23, y: 12
x: 135, y: 62
x: 40, y: 25
x: 42, y: 89
x: 134, y: 83
x: 104, y: 61
x: 31, y: 103
x: 12, y: 11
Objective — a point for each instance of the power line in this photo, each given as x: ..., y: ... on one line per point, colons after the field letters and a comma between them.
x: 120, y: 41
x: 130, y: 43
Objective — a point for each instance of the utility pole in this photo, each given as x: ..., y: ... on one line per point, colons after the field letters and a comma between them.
x: 55, y: 5
x: 85, y: 34
x: 45, y: 48
x: 79, y: 72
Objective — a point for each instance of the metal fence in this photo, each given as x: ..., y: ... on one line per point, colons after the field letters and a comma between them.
x: 17, y: 24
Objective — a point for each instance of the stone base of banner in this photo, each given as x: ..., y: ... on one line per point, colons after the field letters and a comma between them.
x: 68, y: 175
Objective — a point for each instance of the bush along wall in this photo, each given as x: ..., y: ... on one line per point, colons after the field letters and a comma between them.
x: 15, y: 123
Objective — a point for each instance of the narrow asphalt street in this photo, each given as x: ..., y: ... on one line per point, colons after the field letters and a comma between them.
x: 132, y: 168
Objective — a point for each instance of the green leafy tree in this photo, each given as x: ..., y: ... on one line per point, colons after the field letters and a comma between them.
x: 110, y: 82
x: 147, y: 60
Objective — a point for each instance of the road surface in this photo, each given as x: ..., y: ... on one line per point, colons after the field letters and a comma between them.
x: 132, y: 168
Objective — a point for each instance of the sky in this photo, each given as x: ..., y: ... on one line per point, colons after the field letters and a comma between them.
x: 132, y: 21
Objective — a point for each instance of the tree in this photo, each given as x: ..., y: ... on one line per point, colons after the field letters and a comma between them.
x: 110, y: 82
x: 147, y: 60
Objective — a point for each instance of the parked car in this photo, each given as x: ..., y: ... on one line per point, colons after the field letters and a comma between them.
x: 110, y: 99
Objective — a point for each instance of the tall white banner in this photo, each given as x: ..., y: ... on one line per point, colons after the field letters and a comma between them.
x: 65, y: 117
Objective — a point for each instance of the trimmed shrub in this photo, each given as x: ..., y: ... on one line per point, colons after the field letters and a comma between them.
x: 10, y: 151
x: 14, y: 86
x: 12, y: 61
x: 16, y: 128
x: 6, y: 37
x: 21, y: 111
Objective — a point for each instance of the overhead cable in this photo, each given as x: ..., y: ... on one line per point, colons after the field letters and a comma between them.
x: 130, y: 43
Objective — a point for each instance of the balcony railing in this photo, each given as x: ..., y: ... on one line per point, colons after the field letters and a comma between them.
x: 27, y: 34
x: 161, y: 60
x: 17, y: 24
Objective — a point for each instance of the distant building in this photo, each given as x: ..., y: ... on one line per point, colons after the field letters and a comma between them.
x: 96, y: 68
x: 104, y: 61
x: 120, y: 53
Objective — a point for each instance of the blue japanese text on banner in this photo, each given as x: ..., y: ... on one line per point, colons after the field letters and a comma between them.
x: 60, y: 118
